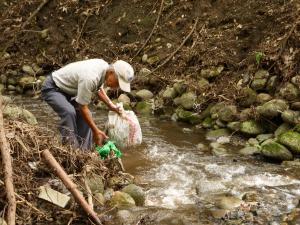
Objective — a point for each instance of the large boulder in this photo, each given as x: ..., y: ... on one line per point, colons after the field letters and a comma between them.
x: 136, y: 193
x: 291, y: 140
x: 187, y: 100
x: 14, y: 112
x: 247, y: 97
x: 187, y: 116
x: 272, y: 108
x: 144, y: 94
x: 290, y: 116
x: 274, y: 150
x: 251, y: 127
x: 122, y: 200
x: 289, y: 92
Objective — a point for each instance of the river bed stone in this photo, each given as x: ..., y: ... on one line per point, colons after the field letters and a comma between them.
x: 272, y: 149
x: 291, y: 139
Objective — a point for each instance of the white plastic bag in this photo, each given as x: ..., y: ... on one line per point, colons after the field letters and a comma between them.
x: 124, y: 130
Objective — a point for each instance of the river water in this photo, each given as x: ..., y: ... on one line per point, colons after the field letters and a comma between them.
x: 185, y: 185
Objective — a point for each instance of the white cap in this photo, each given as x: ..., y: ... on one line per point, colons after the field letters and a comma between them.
x: 125, y: 74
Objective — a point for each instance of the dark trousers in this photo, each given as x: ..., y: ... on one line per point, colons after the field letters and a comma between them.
x: 74, y: 130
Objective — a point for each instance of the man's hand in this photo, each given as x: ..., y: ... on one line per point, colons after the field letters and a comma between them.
x: 116, y: 109
x: 99, y: 137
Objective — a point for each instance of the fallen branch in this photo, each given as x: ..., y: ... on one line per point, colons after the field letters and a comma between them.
x: 70, y: 185
x: 180, y: 46
x: 152, y: 31
x: 25, y: 24
x: 7, y: 167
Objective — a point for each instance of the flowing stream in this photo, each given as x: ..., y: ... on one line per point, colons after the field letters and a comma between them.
x: 188, y: 186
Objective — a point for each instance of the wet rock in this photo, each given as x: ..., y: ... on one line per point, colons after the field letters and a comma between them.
x: 12, y: 81
x: 291, y: 140
x: 125, y: 217
x: 169, y: 93
x: 293, y: 163
x: 290, y: 116
x: 218, y: 149
x: 136, y: 193
x: 263, y: 98
x: 14, y: 112
x: 203, y: 84
x: 11, y: 88
x: 99, y: 199
x: 215, y: 109
x: 124, y: 99
x: 282, y: 129
x: 249, y: 150
x: 153, y: 59
x: 207, y: 122
x: 227, y: 113
x: 246, y: 97
x: 187, y: 100
x: 252, y: 127
x: 215, y: 134
x: 234, y: 126
x: 263, y: 137
x: 295, y: 106
x: 2, y: 221
x: 211, y: 72
x: 206, y: 112
x: 144, y: 94
x: 180, y: 87
x: 274, y: 150
x: 272, y: 108
x: 272, y: 84
x: 229, y: 202
x: 187, y: 116
x: 144, y: 107
x: 27, y: 82
x: 95, y: 183
x: 28, y: 70
x: 252, y: 142
x: 289, y: 91
x: 122, y: 200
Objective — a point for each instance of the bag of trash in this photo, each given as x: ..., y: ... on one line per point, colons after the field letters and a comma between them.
x: 125, y: 129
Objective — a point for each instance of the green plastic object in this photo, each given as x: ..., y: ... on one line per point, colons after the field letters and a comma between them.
x: 105, y: 149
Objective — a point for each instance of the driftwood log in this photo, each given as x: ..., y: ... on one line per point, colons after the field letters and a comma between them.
x: 70, y: 185
x: 8, y: 174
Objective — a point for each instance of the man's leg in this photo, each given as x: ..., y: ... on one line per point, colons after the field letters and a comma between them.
x: 84, y: 132
x: 66, y: 111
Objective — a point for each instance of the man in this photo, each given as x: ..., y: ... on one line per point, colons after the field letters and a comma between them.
x: 69, y: 91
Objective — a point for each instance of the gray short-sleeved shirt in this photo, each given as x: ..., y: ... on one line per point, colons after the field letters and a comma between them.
x: 81, y: 79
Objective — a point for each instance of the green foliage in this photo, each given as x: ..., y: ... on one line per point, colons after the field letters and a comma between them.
x: 258, y: 57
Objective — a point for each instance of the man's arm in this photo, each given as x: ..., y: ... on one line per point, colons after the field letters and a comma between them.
x: 103, y: 97
x: 98, y: 135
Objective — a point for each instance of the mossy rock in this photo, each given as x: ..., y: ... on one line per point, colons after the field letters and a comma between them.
x: 263, y: 137
x: 211, y: 72
x: 282, y: 129
x: 259, y: 84
x: 207, y: 122
x: 290, y: 139
x: 215, y: 134
x: 272, y: 108
x: 234, y: 126
x: 187, y: 116
x: 246, y: 114
x: 293, y: 163
x: 180, y: 87
x: 228, y: 113
x: 14, y: 112
x: 136, y: 193
x: 206, y: 112
x: 144, y: 108
x: 144, y: 94
x: 252, y: 127
x: 249, y: 150
x: 169, y: 93
x: 187, y: 100
x: 291, y: 116
x: 122, y: 200
x: 274, y: 150
x: 263, y: 98
x: 247, y: 97
x: 289, y: 92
